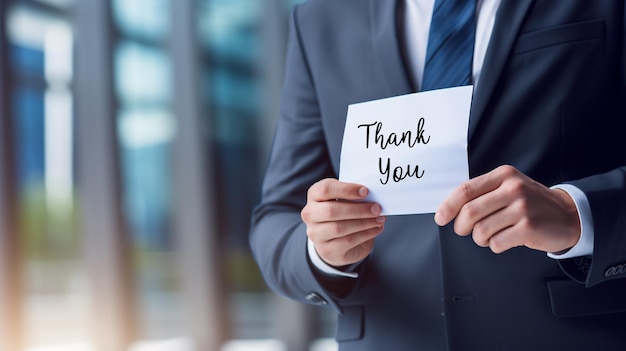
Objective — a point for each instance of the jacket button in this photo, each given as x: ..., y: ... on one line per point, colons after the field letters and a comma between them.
x: 316, y: 299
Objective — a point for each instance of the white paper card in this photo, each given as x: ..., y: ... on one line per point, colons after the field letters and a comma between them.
x: 410, y: 151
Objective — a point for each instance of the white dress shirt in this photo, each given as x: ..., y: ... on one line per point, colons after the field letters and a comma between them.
x: 416, y: 26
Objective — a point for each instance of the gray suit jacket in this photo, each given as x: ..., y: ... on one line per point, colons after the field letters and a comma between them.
x: 550, y: 102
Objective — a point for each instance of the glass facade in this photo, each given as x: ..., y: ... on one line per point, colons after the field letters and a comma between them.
x: 146, y: 128
x: 240, y: 47
x: 40, y: 56
x: 230, y: 38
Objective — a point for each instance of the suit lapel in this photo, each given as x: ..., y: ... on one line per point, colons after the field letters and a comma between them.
x: 387, y: 46
x: 508, y: 21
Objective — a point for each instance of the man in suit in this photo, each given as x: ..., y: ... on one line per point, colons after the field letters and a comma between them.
x: 548, y: 109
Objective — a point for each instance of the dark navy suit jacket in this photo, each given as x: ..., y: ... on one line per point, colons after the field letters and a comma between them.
x: 551, y: 102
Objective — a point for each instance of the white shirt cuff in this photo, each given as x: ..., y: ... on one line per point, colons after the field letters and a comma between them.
x: 584, y: 247
x: 323, y: 266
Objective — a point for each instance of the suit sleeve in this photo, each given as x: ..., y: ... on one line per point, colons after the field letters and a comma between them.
x: 298, y: 158
x: 607, y: 199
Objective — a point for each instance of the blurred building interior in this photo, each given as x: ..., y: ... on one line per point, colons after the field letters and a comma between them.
x: 133, y: 137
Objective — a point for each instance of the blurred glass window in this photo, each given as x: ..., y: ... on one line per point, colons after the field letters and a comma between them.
x: 142, y: 19
x: 146, y: 128
x: 55, y: 289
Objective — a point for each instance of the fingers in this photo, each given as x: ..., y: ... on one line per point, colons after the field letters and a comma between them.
x: 330, y: 230
x: 499, y: 231
x: 477, y: 215
x: 348, y: 249
x: 339, y: 211
x: 339, y: 223
x: 343, y: 242
x: 332, y: 200
x: 543, y: 219
x: 462, y: 196
x: 504, y: 209
x: 331, y: 189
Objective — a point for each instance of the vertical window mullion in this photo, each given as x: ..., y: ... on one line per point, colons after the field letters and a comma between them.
x: 11, y: 304
x: 107, y: 248
x: 195, y: 206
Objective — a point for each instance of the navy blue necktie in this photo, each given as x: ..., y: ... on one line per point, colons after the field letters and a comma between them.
x: 450, y: 45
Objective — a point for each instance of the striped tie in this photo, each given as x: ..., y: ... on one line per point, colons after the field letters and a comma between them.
x: 450, y: 45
